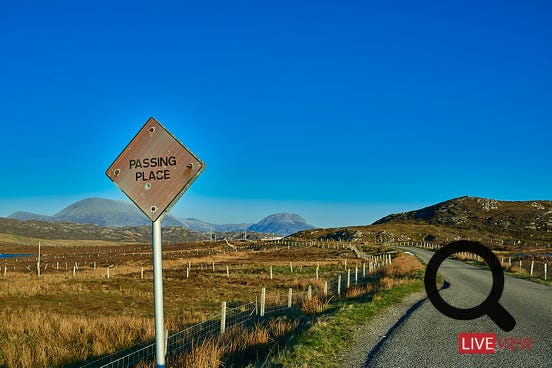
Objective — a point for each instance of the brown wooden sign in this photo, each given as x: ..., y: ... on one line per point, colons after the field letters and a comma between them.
x: 155, y: 169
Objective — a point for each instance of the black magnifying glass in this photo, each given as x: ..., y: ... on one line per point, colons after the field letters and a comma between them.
x: 489, y: 306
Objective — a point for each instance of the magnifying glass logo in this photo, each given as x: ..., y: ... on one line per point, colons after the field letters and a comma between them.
x: 489, y: 306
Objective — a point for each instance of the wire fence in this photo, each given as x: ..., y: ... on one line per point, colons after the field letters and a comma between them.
x: 264, y: 307
x: 532, y: 265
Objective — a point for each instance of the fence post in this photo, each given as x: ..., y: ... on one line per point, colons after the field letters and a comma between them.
x: 356, y: 275
x: 339, y: 285
x: 227, y: 272
x: 325, y: 288
x: 317, y: 267
x: 290, y: 297
x: 309, y: 292
x: 348, y: 278
x: 545, y: 269
x: 223, y: 318
x: 532, y: 265
x: 142, y: 273
x: 363, y: 270
x: 263, y: 301
x: 271, y: 272
x: 166, y: 341
x: 290, y: 267
x: 108, y: 272
x: 213, y: 266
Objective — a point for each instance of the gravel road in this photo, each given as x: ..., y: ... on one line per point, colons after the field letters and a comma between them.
x: 415, y: 334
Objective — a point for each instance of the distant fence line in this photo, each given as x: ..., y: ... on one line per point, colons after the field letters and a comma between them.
x: 533, y: 265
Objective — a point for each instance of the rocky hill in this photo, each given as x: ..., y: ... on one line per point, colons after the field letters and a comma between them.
x: 72, y: 231
x: 502, y: 222
x: 524, y: 219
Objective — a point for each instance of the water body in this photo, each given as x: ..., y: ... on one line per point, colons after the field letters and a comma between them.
x: 14, y: 255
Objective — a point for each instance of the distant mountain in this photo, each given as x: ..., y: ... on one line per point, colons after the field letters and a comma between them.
x: 99, y: 211
x: 26, y: 216
x: 205, y: 227
x: 282, y: 224
x: 109, y: 213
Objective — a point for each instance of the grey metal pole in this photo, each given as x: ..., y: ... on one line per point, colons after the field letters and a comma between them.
x: 158, y: 295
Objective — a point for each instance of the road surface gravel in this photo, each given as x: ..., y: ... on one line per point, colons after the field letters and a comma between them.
x: 415, y: 334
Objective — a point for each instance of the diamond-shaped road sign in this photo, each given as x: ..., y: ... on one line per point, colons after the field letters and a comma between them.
x: 155, y: 169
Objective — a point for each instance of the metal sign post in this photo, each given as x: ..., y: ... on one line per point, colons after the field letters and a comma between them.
x: 154, y: 171
x: 158, y: 294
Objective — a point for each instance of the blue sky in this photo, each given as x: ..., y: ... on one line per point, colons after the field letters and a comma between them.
x: 341, y: 112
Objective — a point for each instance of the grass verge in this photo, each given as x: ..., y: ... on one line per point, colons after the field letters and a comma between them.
x: 332, y: 332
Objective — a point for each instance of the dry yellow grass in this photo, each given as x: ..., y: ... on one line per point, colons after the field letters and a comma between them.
x: 402, y: 265
x: 241, y: 342
x: 58, y: 319
x: 36, y: 338
x: 313, y: 305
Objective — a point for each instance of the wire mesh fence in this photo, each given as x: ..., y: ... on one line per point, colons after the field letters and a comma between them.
x: 273, y: 304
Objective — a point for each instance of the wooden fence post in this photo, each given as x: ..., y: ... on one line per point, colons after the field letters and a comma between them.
x: 309, y: 292
x: 339, y: 285
x: 263, y: 301
x: 227, y: 272
x: 356, y: 275
x: 271, y: 272
x: 223, y: 319
x: 363, y: 270
x: 290, y: 297
x: 348, y: 278
x: 532, y: 265
x: 325, y: 288
x: 108, y: 272
x: 545, y: 269
x: 142, y: 273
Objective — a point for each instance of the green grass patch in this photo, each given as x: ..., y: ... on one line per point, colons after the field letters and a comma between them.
x: 332, y: 332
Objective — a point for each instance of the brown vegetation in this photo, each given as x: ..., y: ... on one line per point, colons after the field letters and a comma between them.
x: 59, y: 319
